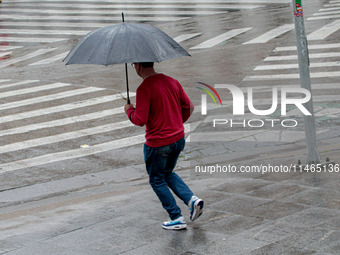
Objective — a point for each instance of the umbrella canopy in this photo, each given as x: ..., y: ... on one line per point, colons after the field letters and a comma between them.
x: 124, y: 43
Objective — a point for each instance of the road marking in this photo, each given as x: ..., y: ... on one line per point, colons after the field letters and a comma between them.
x: 146, y: 5
x: 271, y: 34
x: 113, y: 12
x: 34, y: 89
x: 50, y: 97
x: 221, y: 38
x: 325, y: 31
x: 63, y: 107
x: 53, y: 24
x: 324, y: 17
x: 326, y: 13
x: 28, y: 56
x: 76, y: 153
x: 27, y: 40
x: 310, y: 47
x: 329, y: 9
x: 17, y: 83
x: 291, y: 76
x: 43, y: 32
x: 162, y: 2
x: 184, y: 37
x: 51, y: 59
x: 4, y: 80
x: 62, y: 122
x: 64, y: 136
x: 292, y: 66
x: 80, y: 18
x: 2, y: 48
x: 314, y: 55
x: 3, y: 54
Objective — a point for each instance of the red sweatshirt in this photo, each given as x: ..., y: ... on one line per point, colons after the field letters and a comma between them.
x: 163, y: 106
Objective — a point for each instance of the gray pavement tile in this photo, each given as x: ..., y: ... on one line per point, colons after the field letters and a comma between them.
x: 276, y: 249
x: 239, y: 204
x: 241, y: 185
x: 316, y: 197
x: 314, y: 179
x: 276, y: 190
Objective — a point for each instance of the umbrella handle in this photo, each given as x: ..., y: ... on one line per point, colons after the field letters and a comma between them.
x: 127, y: 84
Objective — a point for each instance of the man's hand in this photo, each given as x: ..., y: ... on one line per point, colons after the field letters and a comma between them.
x: 128, y: 106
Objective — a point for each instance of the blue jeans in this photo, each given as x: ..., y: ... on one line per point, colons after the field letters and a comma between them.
x: 160, y: 162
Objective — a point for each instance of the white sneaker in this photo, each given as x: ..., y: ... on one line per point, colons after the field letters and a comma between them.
x: 176, y: 224
x: 196, y: 207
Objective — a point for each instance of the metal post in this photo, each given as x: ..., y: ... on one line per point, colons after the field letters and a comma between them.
x: 302, y: 49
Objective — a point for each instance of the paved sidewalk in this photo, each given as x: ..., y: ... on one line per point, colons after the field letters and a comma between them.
x: 116, y: 212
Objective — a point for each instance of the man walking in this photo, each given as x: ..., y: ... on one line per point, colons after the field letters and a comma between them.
x: 163, y: 106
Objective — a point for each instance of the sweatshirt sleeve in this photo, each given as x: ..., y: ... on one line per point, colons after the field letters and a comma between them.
x: 140, y: 114
x: 186, y: 105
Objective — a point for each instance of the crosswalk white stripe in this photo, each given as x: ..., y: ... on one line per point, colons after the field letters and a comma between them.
x: 4, y: 80
x: 2, y: 47
x: 310, y: 47
x: 32, y: 90
x: 184, y: 37
x: 50, y: 97
x: 324, y: 17
x: 334, y: 2
x: 39, y: 40
x: 43, y: 32
x: 62, y: 122
x: 17, y: 83
x: 64, y: 136
x: 2, y: 54
x: 143, y: 6
x: 221, y: 38
x: 53, y: 25
x: 115, y: 12
x: 291, y: 76
x: 76, y: 153
x: 51, y: 59
x: 329, y: 9
x: 292, y: 66
x: 325, y: 31
x: 313, y: 55
x: 326, y: 13
x: 28, y: 56
x: 331, y: 5
x: 63, y: 107
x: 80, y: 18
x: 271, y: 34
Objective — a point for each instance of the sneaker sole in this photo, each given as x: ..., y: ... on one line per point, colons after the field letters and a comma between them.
x: 198, y: 210
x: 175, y: 227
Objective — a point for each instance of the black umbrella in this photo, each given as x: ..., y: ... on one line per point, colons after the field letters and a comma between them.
x: 124, y: 43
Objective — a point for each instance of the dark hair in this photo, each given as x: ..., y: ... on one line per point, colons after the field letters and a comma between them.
x: 146, y: 64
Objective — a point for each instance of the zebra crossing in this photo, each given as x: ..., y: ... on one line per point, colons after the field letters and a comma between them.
x: 58, y: 22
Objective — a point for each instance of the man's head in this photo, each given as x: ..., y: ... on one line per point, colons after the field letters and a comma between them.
x: 144, y: 68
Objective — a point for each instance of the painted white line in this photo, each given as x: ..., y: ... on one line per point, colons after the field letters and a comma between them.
x: 62, y: 122
x: 221, y: 38
x: 4, y: 80
x: 64, y: 136
x: 73, y: 154
x: 53, y: 24
x: 26, y: 40
x: 17, y: 83
x: 51, y: 59
x: 50, y: 97
x: 313, y: 55
x: 43, y: 32
x: 325, y: 31
x: 310, y: 47
x: 2, y: 54
x: 271, y: 34
x: 2, y: 47
x: 32, y: 90
x: 331, y: 5
x: 80, y: 18
x: 184, y: 37
x: 28, y: 56
x: 115, y: 12
x: 293, y: 66
x: 326, y: 13
x: 63, y: 107
x: 324, y: 17
x: 145, y: 5
x: 329, y: 9
x: 162, y: 2
x: 291, y: 76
